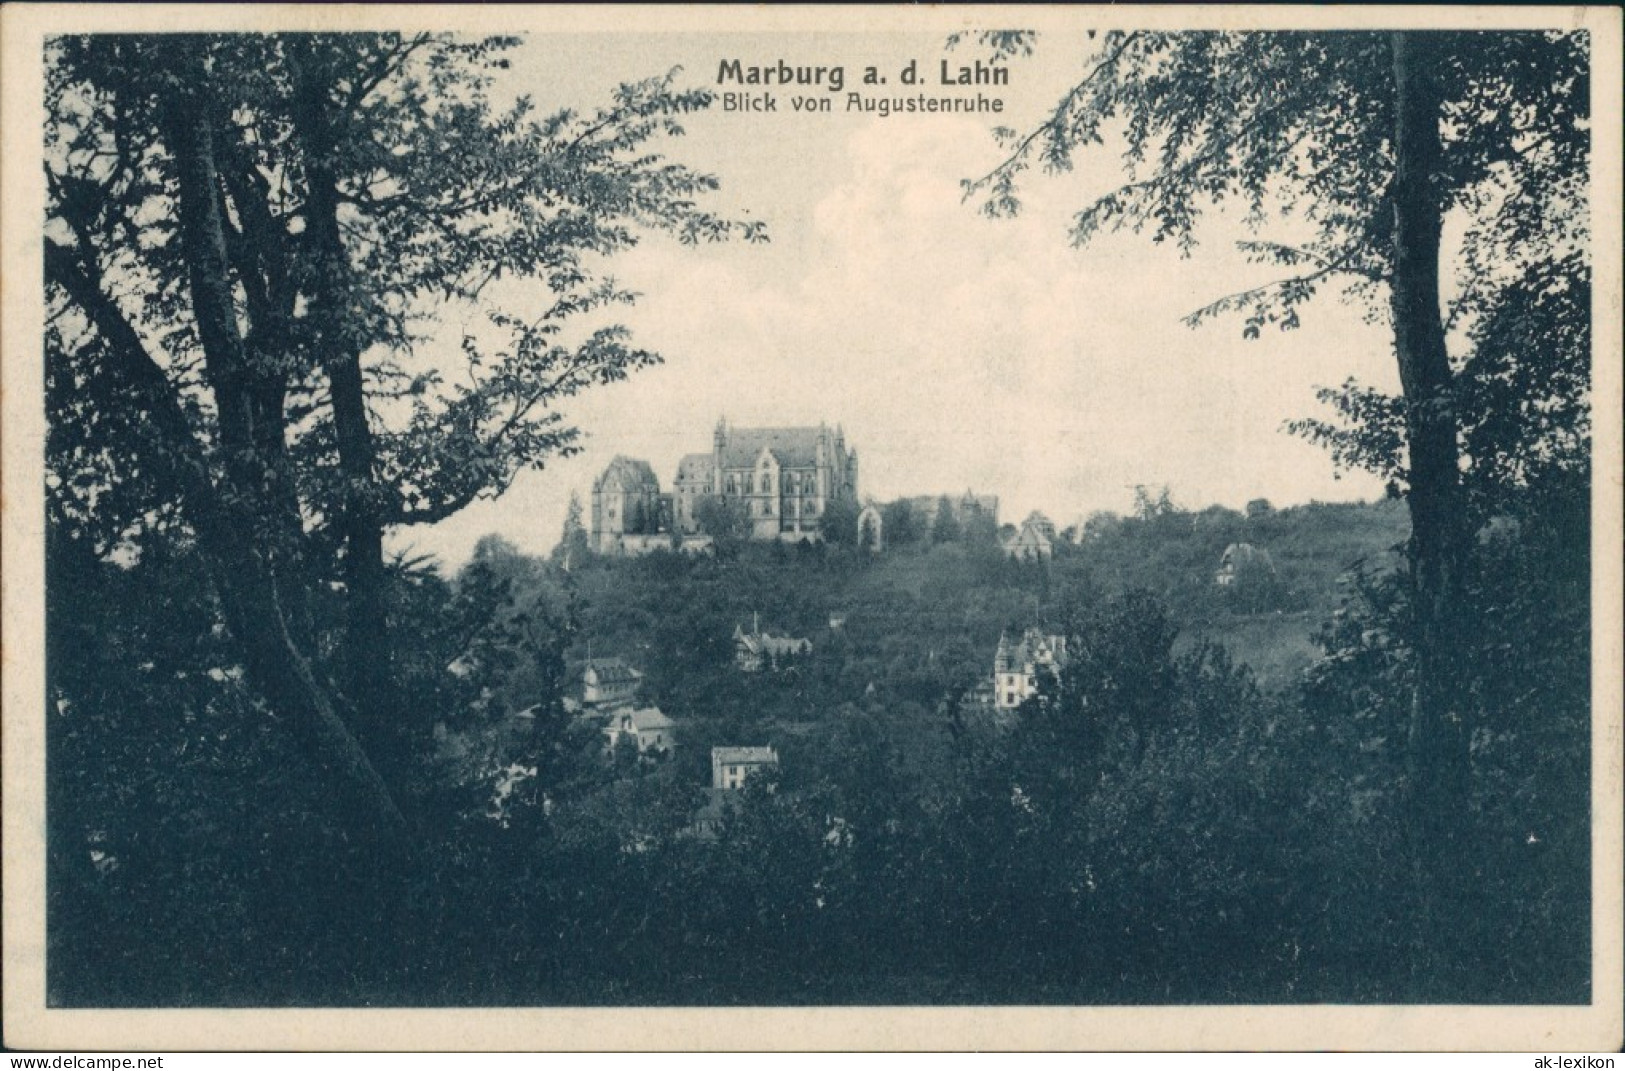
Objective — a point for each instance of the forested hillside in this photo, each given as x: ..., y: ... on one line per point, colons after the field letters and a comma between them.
x: 1187, y: 829
x: 905, y: 635
x: 921, y: 618
x: 306, y: 292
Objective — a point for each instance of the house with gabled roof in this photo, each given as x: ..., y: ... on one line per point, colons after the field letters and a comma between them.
x: 1033, y: 541
x: 647, y: 727
x: 608, y: 682
x: 1243, y: 562
x: 1017, y: 665
x: 757, y: 650
x: 731, y: 766
x: 1029, y: 544
x: 784, y: 477
x: 964, y: 507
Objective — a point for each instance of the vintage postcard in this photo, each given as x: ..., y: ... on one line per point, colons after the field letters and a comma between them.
x: 742, y: 528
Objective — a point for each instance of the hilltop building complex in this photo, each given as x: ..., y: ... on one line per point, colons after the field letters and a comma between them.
x: 781, y: 480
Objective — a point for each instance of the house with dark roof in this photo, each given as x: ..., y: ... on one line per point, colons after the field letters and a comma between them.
x: 1018, y: 663
x: 964, y: 508
x: 757, y: 650
x: 647, y: 727
x: 1041, y: 523
x: 730, y: 766
x: 696, y: 481
x: 1034, y: 540
x: 784, y: 477
x: 608, y: 682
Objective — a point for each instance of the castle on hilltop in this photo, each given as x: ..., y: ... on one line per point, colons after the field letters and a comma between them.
x: 783, y: 480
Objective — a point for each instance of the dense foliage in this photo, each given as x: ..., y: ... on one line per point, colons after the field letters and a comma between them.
x: 254, y: 245
x: 1440, y: 180
x: 284, y: 770
x: 1158, y: 827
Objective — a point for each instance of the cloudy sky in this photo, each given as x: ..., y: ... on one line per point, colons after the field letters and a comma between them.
x: 957, y: 351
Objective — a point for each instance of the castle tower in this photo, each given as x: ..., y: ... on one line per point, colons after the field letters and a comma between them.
x: 625, y: 501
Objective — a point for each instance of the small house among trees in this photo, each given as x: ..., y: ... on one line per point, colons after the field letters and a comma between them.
x: 1243, y: 563
x: 730, y: 766
x: 646, y: 727
x: 1033, y: 541
x: 608, y: 682
x: 1018, y: 664
x: 756, y: 650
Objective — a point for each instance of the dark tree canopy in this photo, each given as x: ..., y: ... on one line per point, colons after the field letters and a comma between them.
x: 725, y: 521
x: 254, y: 244
x: 1441, y: 179
x: 945, y: 528
x: 442, y: 194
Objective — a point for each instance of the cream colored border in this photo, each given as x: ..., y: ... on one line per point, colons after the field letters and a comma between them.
x: 29, y: 1024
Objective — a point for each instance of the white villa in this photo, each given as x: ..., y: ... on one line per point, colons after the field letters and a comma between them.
x: 1017, y: 665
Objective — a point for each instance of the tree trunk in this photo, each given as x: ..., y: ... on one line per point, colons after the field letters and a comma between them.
x: 1437, y: 755
x: 248, y: 530
x: 368, y: 654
